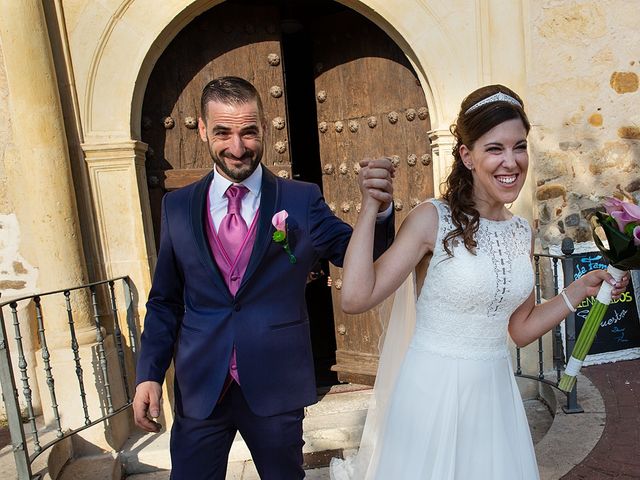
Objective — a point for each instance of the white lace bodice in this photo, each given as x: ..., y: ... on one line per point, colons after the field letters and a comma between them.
x: 464, y: 307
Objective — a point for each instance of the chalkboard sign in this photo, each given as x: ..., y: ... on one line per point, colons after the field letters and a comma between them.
x: 619, y: 334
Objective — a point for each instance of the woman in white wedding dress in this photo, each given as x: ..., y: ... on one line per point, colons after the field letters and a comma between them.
x: 454, y: 410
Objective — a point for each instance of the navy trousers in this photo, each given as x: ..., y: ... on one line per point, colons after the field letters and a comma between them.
x: 200, y: 448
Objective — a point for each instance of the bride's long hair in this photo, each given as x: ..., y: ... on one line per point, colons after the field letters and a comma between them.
x: 474, y: 121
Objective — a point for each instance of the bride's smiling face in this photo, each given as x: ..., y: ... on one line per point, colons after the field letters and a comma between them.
x: 498, y: 162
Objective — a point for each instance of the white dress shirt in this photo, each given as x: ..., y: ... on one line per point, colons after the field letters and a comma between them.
x: 250, y: 202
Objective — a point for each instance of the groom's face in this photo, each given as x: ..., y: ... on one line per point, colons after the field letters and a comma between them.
x: 234, y: 134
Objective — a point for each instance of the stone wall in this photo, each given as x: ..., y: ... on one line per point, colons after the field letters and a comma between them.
x: 584, y: 105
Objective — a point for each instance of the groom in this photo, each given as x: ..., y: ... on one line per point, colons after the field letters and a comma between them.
x: 227, y: 300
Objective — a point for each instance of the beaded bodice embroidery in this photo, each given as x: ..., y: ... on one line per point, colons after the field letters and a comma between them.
x: 466, y: 301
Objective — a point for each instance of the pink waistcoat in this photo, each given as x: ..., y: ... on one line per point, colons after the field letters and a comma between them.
x: 232, y: 270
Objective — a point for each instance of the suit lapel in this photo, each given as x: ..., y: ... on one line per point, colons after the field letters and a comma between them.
x: 197, y: 212
x: 268, y: 203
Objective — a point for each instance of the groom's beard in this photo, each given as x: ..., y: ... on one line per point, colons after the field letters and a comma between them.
x: 250, y: 159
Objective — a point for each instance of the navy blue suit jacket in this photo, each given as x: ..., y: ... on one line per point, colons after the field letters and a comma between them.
x: 193, y: 319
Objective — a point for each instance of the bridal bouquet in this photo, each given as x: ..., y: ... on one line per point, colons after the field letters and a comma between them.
x: 621, y: 227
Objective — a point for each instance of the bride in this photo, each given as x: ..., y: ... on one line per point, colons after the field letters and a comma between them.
x: 451, y: 409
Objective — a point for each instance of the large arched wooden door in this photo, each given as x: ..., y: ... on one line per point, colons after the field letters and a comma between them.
x: 335, y: 89
x: 370, y: 104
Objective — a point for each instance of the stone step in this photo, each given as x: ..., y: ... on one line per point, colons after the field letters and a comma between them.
x: 330, y: 426
x: 104, y: 467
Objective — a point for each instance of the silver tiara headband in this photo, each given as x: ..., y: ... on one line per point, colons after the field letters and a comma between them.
x: 496, y: 97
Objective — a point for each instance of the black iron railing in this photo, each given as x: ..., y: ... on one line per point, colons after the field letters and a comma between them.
x: 101, y: 299
x: 561, y: 350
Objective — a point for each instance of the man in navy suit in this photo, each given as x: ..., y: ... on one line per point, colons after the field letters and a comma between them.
x: 231, y: 313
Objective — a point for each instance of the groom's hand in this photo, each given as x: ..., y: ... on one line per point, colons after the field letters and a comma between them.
x: 146, y: 406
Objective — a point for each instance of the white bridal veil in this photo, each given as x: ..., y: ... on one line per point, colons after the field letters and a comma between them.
x: 395, y: 342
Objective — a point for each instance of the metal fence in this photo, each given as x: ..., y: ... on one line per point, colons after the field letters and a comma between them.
x: 561, y: 349
x: 101, y: 298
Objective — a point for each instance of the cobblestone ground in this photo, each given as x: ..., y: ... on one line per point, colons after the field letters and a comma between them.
x: 617, y: 453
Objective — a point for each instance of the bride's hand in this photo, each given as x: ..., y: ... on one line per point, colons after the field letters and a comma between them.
x: 589, y: 284
x: 375, y: 180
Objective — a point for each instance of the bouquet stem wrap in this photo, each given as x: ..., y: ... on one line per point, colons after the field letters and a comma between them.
x: 588, y: 332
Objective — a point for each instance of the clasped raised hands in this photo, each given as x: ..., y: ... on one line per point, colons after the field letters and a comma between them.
x: 375, y: 180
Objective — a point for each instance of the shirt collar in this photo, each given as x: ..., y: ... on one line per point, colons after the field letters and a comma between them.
x: 253, y: 182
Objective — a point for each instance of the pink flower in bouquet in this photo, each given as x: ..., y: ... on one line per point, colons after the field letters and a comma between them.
x: 624, y: 213
x: 612, y: 204
x: 636, y: 236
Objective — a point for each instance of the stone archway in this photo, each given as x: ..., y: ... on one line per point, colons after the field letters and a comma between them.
x: 115, y: 63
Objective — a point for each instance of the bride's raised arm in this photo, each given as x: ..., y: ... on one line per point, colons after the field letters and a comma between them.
x: 365, y: 284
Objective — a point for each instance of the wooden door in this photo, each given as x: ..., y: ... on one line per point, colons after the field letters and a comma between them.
x: 369, y: 104
x: 227, y: 40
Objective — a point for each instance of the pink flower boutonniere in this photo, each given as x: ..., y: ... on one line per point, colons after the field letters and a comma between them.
x: 279, y: 221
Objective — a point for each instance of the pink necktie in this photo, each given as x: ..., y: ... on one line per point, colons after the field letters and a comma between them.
x: 232, y: 232
x: 233, y: 228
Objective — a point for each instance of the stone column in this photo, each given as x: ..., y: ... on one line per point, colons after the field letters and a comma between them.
x: 42, y: 185
x: 441, y: 147
x: 120, y: 199
x: 42, y: 177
